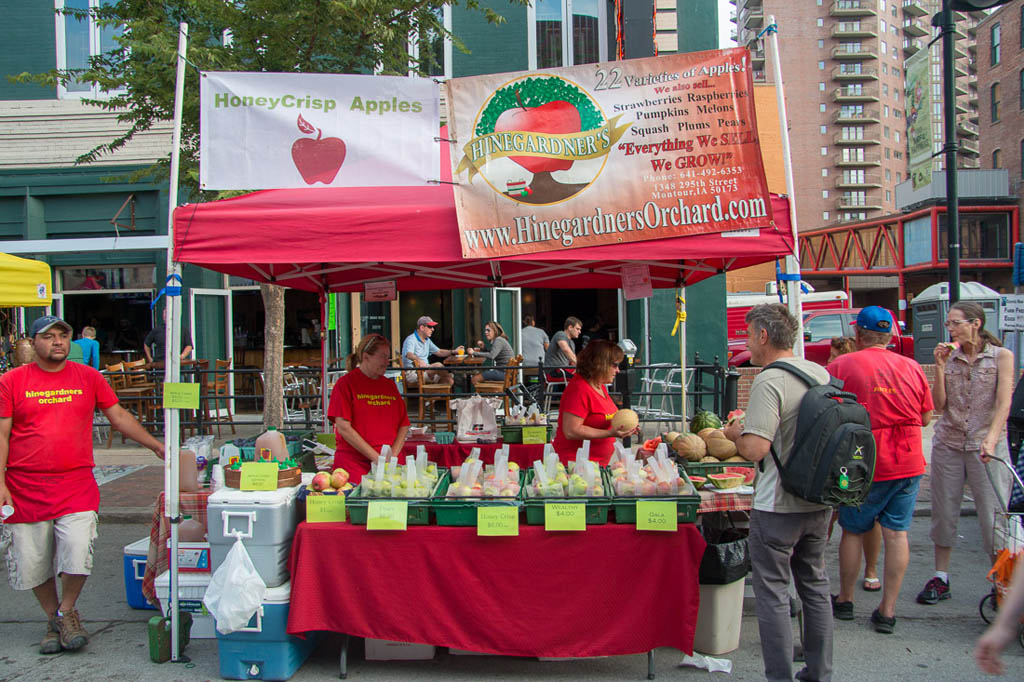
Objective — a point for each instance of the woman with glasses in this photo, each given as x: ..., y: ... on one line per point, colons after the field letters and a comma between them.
x: 973, y: 387
x: 366, y: 408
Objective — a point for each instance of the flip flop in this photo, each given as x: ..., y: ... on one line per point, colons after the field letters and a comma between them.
x: 872, y: 584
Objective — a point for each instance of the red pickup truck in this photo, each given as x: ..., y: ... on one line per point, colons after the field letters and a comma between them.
x: 819, y: 328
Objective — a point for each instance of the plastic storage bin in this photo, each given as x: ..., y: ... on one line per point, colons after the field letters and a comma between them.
x: 264, y: 650
x: 191, y: 590
x: 597, y: 507
x: 687, y: 502
x: 719, y: 618
x: 135, y: 556
x: 266, y: 521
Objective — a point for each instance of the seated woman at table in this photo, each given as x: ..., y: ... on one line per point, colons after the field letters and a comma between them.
x: 366, y: 408
x: 500, y: 353
x: 586, y: 408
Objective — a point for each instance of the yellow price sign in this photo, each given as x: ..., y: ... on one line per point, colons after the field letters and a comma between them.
x: 258, y: 476
x: 535, y: 435
x: 497, y: 521
x: 656, y: 515
x: 181, y: 396
x: 387, y: 515
x: 325, y: 508
x: 565, y: 516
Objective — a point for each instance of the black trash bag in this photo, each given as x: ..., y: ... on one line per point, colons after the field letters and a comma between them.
x: 726, y: 558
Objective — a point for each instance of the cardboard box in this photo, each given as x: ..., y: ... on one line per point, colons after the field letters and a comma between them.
x: 193, y: 556
x: 386, y: 650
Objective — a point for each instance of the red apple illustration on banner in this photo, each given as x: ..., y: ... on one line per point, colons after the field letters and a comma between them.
x: 317, y: 160
x: 557, y: 117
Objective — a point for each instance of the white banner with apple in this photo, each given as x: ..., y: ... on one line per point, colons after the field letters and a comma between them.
x: 278, y: 130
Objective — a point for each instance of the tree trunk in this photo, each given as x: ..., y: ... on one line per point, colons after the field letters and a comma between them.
x: 273, y: 355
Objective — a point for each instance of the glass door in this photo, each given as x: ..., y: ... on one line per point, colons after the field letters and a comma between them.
x: 209, y: 320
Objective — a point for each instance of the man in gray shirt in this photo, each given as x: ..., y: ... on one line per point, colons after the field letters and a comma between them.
x: 561, y: 352
x: 534, y: 340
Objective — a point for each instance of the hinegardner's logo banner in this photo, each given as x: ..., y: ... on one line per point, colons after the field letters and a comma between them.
x: 275, y: 130
x: 606, y: 153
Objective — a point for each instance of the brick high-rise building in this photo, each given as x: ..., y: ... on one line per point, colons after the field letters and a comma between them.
x: 843, y: 67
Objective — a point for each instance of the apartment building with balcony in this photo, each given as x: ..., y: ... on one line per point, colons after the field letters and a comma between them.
x: 843, y: 68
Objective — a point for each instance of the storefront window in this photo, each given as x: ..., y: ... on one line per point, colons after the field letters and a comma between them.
x: 983, y: 236
x: 100, y: 278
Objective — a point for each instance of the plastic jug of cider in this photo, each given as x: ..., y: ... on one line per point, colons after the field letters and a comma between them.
x: 188, y: 474
x: 271, y: 446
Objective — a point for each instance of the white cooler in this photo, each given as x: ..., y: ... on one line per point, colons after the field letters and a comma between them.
x: 266, y: 521
x: 191, y: 590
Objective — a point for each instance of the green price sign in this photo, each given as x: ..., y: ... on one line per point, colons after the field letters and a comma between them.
x: 332, y: 312
x: 387, y: 515
x: 325, y: 508
x: 258, y: 476
x: 565, y: 516
x: 535, y: 435
x: 181, y: 396
x: 497, y: 521
x: 656, y: 515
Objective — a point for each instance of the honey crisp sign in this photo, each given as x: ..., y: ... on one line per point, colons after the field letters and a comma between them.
x: 606, y: 153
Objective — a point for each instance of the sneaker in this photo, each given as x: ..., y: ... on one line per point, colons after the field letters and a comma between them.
x: 51, y: 640
x: 842, y: 610
x: 72, y: 634
x: 935, y: 590
x: 883, y: 624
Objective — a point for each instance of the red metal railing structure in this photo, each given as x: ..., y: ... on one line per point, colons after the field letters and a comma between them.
x: 876, y: 247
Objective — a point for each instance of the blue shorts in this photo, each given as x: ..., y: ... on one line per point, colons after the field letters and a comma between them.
x: 891, y: 503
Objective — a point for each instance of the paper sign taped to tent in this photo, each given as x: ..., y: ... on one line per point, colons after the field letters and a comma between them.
x: 277, y: 130
x: 606, y: 153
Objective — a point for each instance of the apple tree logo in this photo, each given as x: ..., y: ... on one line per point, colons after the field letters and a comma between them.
x: 533, y: 128
x: 317, y: 160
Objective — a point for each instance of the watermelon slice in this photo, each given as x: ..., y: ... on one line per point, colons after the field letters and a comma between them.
x: 725, y: 481
x: 748, y: 473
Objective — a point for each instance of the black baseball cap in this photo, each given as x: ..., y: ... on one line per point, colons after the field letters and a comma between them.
x: 47, y: 321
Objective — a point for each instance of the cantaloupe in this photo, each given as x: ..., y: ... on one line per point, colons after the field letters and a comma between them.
x: 625, y: 418
x: 709, y: 458
x: 690, y: 446
x: 721, y: 448
x: 725, y: 481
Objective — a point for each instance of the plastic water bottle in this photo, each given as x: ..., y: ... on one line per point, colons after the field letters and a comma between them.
x: 227, y: 451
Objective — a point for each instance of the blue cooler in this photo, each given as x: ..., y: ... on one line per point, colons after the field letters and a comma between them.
x: 135, y: 556
x: 263, y: 650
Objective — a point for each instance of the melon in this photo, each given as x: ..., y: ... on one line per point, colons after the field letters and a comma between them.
x: 721, y: 448
x: 736, y: 458
x: 670, y: 436
x: 725, y: 481
x: 704, y: 419
x: 626, y: 418
x: 748, y: 473
x: 690, y: 446
x: 709, y: 458
x: 698, y: 481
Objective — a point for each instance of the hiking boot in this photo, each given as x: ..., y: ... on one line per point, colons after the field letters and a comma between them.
x: 935, y: 590
x: 841, y: 610
x: 883, y: 624
x: 51, y: 640
x: 72, y: 634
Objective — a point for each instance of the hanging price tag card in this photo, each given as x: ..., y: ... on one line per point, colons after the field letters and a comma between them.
x: 387, y: 515
x: 258, y: 476
x: 565, y: 516
x: 325, y: 508
x: 497, y: 521
x: 656, y: 515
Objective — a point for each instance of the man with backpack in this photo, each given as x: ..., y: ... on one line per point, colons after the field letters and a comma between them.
x: 895, y: 392
x: 788, y: 534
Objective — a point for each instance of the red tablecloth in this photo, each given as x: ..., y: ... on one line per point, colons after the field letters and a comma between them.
x: 455, y: 453
x: 158, y: 561
x: 610, y: 590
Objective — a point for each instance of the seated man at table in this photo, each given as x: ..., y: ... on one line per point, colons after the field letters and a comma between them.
x: 416, y: 351
x: 367, y: 410
x: 157, y: 339
x: 562, y: 351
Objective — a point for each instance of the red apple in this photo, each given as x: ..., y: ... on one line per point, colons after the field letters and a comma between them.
x: 322, y: 481
x: 339, y: 478
x: 318, y: 160
x: 556, y: 117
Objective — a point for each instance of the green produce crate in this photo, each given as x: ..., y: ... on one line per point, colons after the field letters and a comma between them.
x: 294, y: 438
x: 358, y: 505
x: 513, y: 433
x: 686, y: 504
x: 597, y: 507
x: 461, y: 511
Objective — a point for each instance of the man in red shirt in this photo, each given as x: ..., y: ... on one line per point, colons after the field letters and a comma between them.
x: 46, y: 462
x: 896, y: 395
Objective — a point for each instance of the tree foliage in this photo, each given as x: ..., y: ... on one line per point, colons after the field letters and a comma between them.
x: 309, y: 36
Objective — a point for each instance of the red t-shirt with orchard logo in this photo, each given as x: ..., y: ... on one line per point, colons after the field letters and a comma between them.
x: 376, y: 411
x: 580, y: 399
x: 49, y: 461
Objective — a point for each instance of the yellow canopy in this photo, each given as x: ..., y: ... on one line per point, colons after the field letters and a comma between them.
x: 24, y: 282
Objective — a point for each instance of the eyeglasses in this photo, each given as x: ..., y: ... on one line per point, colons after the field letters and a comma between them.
x: 955, y: 323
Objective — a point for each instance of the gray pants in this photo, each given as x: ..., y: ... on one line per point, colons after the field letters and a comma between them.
x: 792, y: 544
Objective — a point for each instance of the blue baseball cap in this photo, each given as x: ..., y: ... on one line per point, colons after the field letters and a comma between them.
x: 47, y: 321
x: 875, y: 318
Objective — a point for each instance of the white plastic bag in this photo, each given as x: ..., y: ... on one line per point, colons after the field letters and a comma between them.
x: 236, y: 590
x: 476, y: 420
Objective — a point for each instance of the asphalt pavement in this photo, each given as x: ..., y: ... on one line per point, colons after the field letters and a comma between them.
x: 930, y: 643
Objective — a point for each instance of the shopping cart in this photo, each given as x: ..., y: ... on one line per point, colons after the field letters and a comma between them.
x: 1008, y: 533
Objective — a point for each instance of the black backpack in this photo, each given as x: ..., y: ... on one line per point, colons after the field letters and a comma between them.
x: 833, y: 456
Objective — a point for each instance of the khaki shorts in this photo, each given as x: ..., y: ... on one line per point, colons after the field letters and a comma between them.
x: 35, y: 552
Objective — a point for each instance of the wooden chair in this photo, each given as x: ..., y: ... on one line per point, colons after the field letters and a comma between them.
x: 498, y: 387
x: 134, y: 398
x: 219, y: 391
x: 431, y: 394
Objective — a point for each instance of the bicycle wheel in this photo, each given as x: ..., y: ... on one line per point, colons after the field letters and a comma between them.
x: 987, y: 608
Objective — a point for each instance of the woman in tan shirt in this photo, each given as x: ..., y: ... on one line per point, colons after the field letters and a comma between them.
x: 973, y: 387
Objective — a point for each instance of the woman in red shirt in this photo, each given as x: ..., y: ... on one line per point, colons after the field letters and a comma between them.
x: 586, y: 409
x: 367, y: 410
